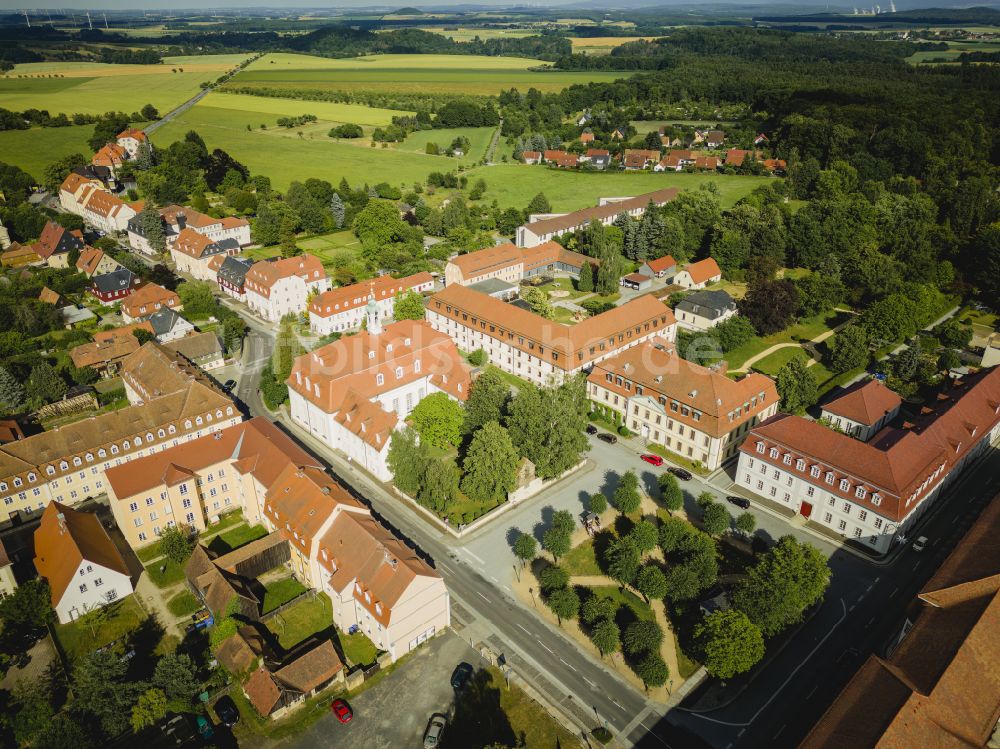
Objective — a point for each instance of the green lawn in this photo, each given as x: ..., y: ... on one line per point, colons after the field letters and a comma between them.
x: 228, y: 520
x: 148, y: 553
x: 114, y: 622
x: 624, y: 598
x: 327, y: 111
x: 479, y: 137
x: 293, y: 625
x: 465, y: 74
x: 771, y: 363
x: 165, y: 573
x: 514, y: 185
x: 237, y: 537
x: 95, y: 88
x: 806, y: 329
x: 34, y: 149
x: 333, y: 248
x: 581, y: 560
x: 183, y: 603
x: 358, y: 649
x: 281, y: 592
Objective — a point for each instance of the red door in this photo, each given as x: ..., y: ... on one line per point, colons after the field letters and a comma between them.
x: 806, y: 509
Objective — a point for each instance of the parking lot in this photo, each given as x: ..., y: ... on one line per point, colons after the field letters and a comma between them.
x: 394, y: 713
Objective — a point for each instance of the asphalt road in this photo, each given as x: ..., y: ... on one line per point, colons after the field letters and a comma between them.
x: 775, y: 706
x: 177, y: 111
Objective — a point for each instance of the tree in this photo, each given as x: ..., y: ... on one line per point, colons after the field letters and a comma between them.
x: 487, y: 401
x: 538, y: 204
x: 151, y: 225
x: 623, y: 560
x: 644, y: 535
x: 715, y: 519
x: 682, y: 583
x: 586, y: 282
x: 175, y: 674
x: 596, y: 608
x: 44, y: 385
x: 175, y: 544
x: 150, y: 708
x: 651, y: 582
x: 556, y: 541
x: 563, y: 520
x: 953, y: 334
x: 770, y: 306
x: 642, y: 636
x: 143, y: 336
x: 61, y: 732
x: 787, y: 580
x: 796, y: 386
x: 378, y: 224
x: 609, y: 274
x: 565, y: 604
x: 233, y: 330
x: 539, y: 302
x: 746, y: 522
x: 547, y: 425
x: 197, y: 298
x: 12, y: 395
x: 598, y: 504
x: 408, y: 306
x: 29, y: 607
x: 525, y: 548
x: 849, y: 349
x: 407, y: 459
x: 626, y: 497
x: 553, y: 577
x: 337, y: 210
x: 606, y: 636
x: 106, y: 130
x: 438, y: 420
x: 730, y: 642
x: 149, y: 112
x: 490, y: 464
x: 101, y: 687
x: 670, y: 491
x: 439, y: 485
x: 32, y: 711
x: 54, y: 174
x: 652, y: 670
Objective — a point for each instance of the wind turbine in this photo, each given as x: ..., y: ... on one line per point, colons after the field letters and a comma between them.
x: 91, y: 25
x: 105, y: 20
x: 26, y: 19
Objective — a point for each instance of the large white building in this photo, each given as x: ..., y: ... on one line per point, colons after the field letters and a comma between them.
x: 511, y: 264
x: 545, y: 228
x: 178, y: 218
x: 873, y: 492
x: 192, y: 252
x: 353, y: 393
x: 275, y: 288
x: 83, y: 568
x: 862, y: 409
x: 696, y: 412
x: 95, y: 204
x: 342, y: 309
x: 537, y: 349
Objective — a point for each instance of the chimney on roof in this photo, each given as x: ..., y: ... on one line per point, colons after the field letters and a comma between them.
x: 325, y: 489
x: 61, y: 518
x: 181, y: 221
x: 693, y: 394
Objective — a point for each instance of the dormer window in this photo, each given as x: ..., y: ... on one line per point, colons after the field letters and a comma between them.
x: 416, y: 365
x: 50, y: 470
x: 876, y: 499
x: 406, y: 342
x: 368, y: 598
x: 160, y: 433
x: 32, y: 478
x: 17, y: 481
x: 399, y: 373
x: 760, y: 447
x: 149, y: 436
x: 800, y: 465
x: 388, y: 348
x: 199, y: 421
x: 371, y: 354
x: 187, y: 424
x: 114, y: 449
x: 378, y: 609
x: 379, y: 379
x: 845, y: 485
x: 860, y: 492
x: 829, y: 477
x: 63, y: 465
x: 89, y: 457
x: 77, y: 461
x: 3, y: 486
x: 787, y: 460
x: 171, y: 429
x: 774, y: 452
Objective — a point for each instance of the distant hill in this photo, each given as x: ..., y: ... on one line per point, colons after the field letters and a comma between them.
x: 407, y: 12
x: 980, y: 16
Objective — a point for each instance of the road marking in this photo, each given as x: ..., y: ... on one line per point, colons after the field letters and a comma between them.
x: 870, y: 622
x: 776, y: 692
x: 812, y: 691
x: 483, y: 597
x: 566, y: 664
x: 619, y: 706
x: 494, y: 580
x: 592, y: 684
x: 780, y: 730
x: 545, y: 646
x: 955, y: 519
x: 869, y: 588
x: 894, y: 592
x: 526, y: 630
x: 473, y: 556
x: 742, y: 731
x: 852, y: 607
x: 917, y: 564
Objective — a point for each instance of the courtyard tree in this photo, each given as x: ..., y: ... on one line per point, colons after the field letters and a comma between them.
x: 149, y: 709
x: 716, y: 519
x: 525, y: 548
x: 642, y: 636
x: 651, y: 582
x: 626, y: 497
x: 598, y: 503
x: 652, y: 670
x: 670, y: 491
x: 438, y: 420
x: 407, y: 459
x: 490, y: 464
x: 730, y: 642
x: 547, y: 425
x: 796, y: 386
x: 175, y: 543
x: 488, y: 399
x: 623, y: 560
x: 645, y: 536
x: 606, y: 636
x: 565, y: 604
x: 408, y: 305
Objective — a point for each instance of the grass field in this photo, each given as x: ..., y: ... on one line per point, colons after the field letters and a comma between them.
x: 32, y: 150
x: 513, y: 185
x: 601, y: 45
x: 99, y: 628
x: 95, y: 88
x: 478, y: 136
x: 456, y: 74
x: 461, y: 34
x: 954, y: 50
x: 324, y: 110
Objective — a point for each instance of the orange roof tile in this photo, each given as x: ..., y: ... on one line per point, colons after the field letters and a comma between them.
x: 148, y: 297
x: 703, y: 270
x: 191, y: 243
x: 356, y: 295
x: 864, y: 403
x: 662, y: 263
x: 263, y: 275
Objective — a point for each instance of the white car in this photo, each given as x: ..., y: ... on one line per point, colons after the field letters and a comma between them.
x: 921, y: 543
x: 435, y: 730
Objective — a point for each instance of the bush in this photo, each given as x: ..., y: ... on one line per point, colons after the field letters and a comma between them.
x: 624, y: 431
x: 477, y: 358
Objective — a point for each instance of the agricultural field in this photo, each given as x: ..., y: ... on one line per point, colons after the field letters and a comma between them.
x: 602, y: 45
x: 464, y: 74
x: 954, y: 50
x: 33, y: 150
x: 462, y: 34
x: 478, y: 136
x: 513, y: 185
x: 95, y: 88
x: 331, y: 112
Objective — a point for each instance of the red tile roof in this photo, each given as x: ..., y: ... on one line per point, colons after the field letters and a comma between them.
x: 864, y: 403
x: 111, y: 155
x: 148, y: 297
x: 262, y: 691
x: 662, y: 263
x: 191, y: 243
x: 263, y: 275
x: 344, y: 298
x: 64, y: 538
x: 133, y: 132
x: 560, y: 224
x: 703, y: 270
x: 89, y: 259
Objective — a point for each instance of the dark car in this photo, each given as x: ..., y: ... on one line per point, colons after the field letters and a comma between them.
x: 591, y: 429
x: 460, y: 676
x: 229, y: 385
x: 680, y: 473
x: 609, y: 438
x: 738, y: 501
x: 205, y: 728
x: 226, y: 709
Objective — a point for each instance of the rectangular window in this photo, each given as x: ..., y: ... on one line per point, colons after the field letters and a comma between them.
x: 842, y: 524
x: 878, y: 523
x: 83, y: 588
x: 811, y: 491
x: 863, y: 515
x: 98, y: 582
x: 857, y: 533
x: 827, y: 517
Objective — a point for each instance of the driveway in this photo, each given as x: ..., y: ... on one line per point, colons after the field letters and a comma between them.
x: 393, y: 714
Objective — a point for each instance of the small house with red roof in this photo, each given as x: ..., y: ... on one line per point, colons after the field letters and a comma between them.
x: 862, y: 409
x: 699, y: 275
x: 130, y: 139
x: 661, y: 267
x: 531, y: 157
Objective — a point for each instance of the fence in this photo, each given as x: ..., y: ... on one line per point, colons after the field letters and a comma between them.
x: 82, y: 402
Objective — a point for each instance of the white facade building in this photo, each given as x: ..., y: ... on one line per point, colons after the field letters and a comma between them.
x: 280, y: 287
x: 343, y: 309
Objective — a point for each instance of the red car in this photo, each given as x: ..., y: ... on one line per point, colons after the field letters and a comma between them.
x: 655, y: 460
x: 342, y: 710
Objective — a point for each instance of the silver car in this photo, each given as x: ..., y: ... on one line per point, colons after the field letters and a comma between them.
x: 435, y: 730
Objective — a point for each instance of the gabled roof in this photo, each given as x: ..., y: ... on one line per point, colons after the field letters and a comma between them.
x: 65, y: 538
x: 703, y: 270
x: 864, y: 403
x: 89, y: 259
x: 706, y: 303
x: 148, y: 296
x: 312, y: 669
x: 262, y: 691
x: 56, y: 240
x: 264, y: 274
x: 560, y: 224
x: 103, y: 353
x: 116, y: 280
x: 662, y: 264
x: 190, y: 242
x: 48, y: 296
x: 344, y: 298
x: 133, y: 132
x: 196, y: 347
x: 163, y: 321
x: 110, y: 155
x: 234, y: 269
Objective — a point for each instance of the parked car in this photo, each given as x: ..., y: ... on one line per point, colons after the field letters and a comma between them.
x: 460, y: 676
x: 680, y: 473
x: 205, y: 729
x: 591, y: 429
x: 229, y: 385
x: 921, y: 543
x: 341, y: 710
x: 609, y: 438
x: 227, y: 711
x: 654, y: 460
x: 435, y: 730
x: 738, y: 501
